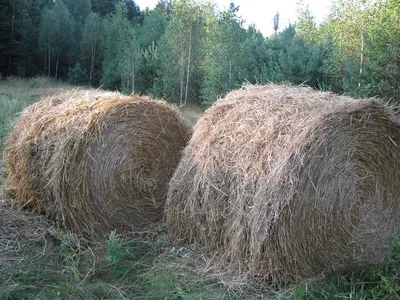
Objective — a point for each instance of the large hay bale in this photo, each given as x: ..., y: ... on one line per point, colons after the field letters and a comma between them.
x: 95, y: 160
x: 283, y: 183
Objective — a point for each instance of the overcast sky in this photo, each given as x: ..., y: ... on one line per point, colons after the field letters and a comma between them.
x: 261, y: 13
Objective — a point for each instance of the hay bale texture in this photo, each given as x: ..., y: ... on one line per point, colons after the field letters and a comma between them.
x: 284, y: 183
x: 95, y: 160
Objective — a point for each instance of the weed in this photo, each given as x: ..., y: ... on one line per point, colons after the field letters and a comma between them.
x: 115, y: 249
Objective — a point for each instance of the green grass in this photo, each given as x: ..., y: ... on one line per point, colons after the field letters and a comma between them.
x: 38, y: 260
x: 379, y: 282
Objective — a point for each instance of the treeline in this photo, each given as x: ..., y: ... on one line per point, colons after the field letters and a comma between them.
x: 187, y: 51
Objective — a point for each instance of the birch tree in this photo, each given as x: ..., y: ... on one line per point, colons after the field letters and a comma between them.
x: 91, y: 41
x: 120, y: 50
x: 55, y: 35
x: 184, y: 32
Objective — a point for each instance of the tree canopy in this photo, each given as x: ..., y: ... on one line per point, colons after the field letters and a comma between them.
x: 190, y: 52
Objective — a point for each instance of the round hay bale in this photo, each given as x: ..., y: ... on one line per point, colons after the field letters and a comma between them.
x: 95, y: 160
x: 284, y: 183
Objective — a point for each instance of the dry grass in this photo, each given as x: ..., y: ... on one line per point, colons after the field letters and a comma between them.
x: 283, y: 183
x: 20, y: 230
x: 30, y: 90
x: 192, y: 114
x: 95, y: 161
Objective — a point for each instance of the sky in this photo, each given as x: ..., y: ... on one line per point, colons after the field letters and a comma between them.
x: 261, y: 12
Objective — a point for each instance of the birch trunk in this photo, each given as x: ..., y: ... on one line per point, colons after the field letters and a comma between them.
x: 362, y: 51
x: 182, y: 72
x: 57, y: 68
x: 133, y: 74
x: 230, y: 64
x: 188, y: 66
x: 45, y: 61
x: 92, y: 59
x: 48, y: 53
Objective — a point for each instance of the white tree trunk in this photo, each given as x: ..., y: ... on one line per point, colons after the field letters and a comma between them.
x: 362, y: 51
x: 57, y: 68
x: 49, y: 58
x: 230, y: 63
x: 92, y: 62
x: 133, y: 74
x: 188, y: 66
x: 182, y: 72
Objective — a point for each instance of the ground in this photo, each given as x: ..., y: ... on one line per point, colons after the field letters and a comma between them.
x: 41, y: 260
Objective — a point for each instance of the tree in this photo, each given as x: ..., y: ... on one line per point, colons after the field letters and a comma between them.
x: 305, y: 25
x: 149, y: 36
x: 5, y: 37
x: 256, y: 53
x: 91, y: 41
x: 276, y: 22
x: 135, y: 16
x: 79, y: 9
x: 292, y: 60
x: 120, y: 52
x: 184, y: 35
x: 224, y: 66
x: 103, y: 7
x: 382, y: 64
x: 153, y: 28
x: 56, y: 35
x: 165, y: 8
x: 347, y: 26
x: 19, y: 22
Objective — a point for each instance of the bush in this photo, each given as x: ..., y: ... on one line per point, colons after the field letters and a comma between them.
x: 78, y: 74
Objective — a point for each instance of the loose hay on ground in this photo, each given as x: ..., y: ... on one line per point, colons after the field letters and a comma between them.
x: 283, y: 183
x: 21, y: 232
x: 95, y: 160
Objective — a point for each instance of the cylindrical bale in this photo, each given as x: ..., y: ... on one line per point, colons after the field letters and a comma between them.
x: 284, y: 183
x: 95, y: 160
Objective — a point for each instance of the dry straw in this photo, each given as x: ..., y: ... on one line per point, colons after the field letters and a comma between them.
x: 21, y: 232
x: 284, y: 183
x: 95, y: 160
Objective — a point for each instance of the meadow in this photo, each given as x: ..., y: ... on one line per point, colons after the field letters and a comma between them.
x: 41, y: 260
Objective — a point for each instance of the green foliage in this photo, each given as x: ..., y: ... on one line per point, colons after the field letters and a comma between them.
x: 56, y: 38
x: 79, y: 9
x: 306, y: 27
x: 103, y: 7
x: 188, y: 52
x: 381, y: 76
x: 77, y: 74
x: 184, y: 35
x: 90, y: 47
x: 150, y: 35
x: 119, y: 52
x: 115, y: 249
x: 378, y: 282
x: 225, y: 46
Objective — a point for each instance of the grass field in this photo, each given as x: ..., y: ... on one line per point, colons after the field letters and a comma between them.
x: 40, y: 260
